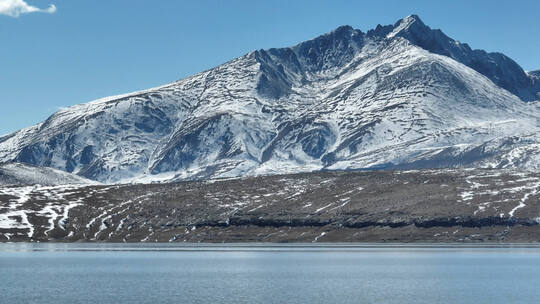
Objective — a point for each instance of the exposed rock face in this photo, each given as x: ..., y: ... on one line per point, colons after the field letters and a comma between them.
x: 398, y: 96
x: 399, y: 206
x: 535, y: 75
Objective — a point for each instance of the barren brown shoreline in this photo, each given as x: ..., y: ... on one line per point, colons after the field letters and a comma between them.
x: 381, y: 206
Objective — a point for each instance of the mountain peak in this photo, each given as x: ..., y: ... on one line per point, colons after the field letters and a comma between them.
x: 412, y: 17
x: 343, y: 100
x: 342, y: 29
x: 411, y: 24
x: 409, y: 20
x: 502, y: 70
x: 343, y: 32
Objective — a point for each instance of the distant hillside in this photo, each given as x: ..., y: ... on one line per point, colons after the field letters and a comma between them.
x: 24, y: 174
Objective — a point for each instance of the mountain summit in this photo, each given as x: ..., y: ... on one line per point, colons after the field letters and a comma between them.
x: 499, y: 68
x: 398, y: 96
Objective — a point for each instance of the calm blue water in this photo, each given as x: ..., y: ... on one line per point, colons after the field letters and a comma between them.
x: 82, y: 273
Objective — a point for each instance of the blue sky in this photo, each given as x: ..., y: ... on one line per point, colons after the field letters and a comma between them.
x: 79, y: 50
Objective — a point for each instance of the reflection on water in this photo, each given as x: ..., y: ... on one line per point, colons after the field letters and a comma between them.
x: 261, y: 273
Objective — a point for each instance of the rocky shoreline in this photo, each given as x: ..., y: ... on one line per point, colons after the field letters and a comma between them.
x: 378, y: 206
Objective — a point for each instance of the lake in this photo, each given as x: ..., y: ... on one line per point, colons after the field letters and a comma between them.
x: 258, y: 273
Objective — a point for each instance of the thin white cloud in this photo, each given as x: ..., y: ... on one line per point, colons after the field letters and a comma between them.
x: 14, y: 8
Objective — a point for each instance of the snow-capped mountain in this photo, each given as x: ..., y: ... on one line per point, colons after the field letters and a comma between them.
x: 398, y: 96
x: 500, y: 69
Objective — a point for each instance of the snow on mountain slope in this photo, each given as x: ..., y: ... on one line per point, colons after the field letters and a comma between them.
x: 501, y: 69
x: 24, y: 174
x: 344, y: 100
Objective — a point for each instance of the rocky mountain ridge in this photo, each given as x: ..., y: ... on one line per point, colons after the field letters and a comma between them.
x: 399, y: 96
x: 500, y: 69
